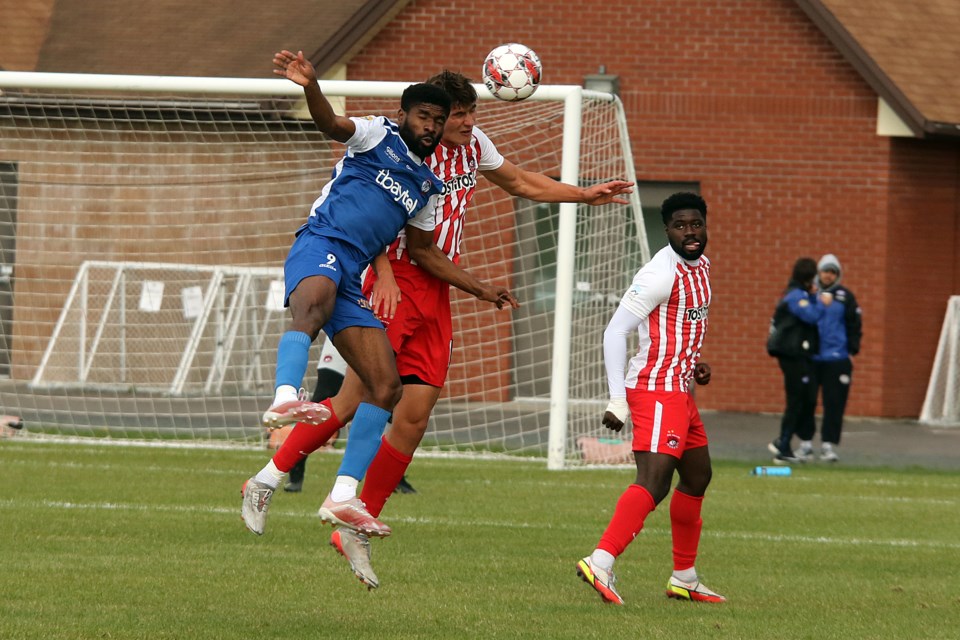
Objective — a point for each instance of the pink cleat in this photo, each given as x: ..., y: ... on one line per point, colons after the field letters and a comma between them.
x: 352, y: 514
x: 294, y: 411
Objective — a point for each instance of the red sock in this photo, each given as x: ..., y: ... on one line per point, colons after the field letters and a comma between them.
x: 633, y: 507
x: 304, y: 439
x: 686, y: 524
x: 383, y: 476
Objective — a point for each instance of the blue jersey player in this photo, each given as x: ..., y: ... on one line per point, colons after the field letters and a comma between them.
x: 381, y: 185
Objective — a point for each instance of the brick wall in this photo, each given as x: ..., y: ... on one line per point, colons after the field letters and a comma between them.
x: 750, y: 100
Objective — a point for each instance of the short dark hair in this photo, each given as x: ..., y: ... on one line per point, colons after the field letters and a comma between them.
x: 804, y: 271
x: 424, y: 93
x: 457, y: 85
x: 681, y: 201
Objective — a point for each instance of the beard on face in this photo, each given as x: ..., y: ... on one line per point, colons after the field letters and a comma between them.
x: 416, y: 144
x: 686, y: 255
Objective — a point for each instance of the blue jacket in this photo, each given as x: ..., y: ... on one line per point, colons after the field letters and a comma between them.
x: 839, y: 326
x: 793, y: 327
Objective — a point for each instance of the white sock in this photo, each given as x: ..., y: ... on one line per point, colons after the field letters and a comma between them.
x: 344, y: 489
x: 806, y: 445
x: 270, y: 475
x: 285, y: 393
x: 602, y: 559
x: 686, y: 575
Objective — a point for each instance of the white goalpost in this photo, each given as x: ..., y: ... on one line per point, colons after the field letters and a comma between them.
x: 941, y: 405
x: 143, y: 226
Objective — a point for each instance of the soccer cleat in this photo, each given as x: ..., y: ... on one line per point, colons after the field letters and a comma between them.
x: 695, y: 591
x: 355, y: 547
x: 600, y: 579
x: 352, y: 514
x: 294, y: 411
x: 256, y: 502
x: 827, y: 453
x: 404, y: 487
x: 293, y: 487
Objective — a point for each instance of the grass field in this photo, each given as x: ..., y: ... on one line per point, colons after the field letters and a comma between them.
x: 109, y: 542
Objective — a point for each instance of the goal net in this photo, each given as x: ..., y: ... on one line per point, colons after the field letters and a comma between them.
x: 941, y: 406
x: 143, y: 227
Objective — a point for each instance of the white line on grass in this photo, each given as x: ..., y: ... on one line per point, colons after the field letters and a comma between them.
x: 736, y: 535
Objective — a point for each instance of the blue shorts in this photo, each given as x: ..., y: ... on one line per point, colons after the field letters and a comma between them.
x: 315, y: 255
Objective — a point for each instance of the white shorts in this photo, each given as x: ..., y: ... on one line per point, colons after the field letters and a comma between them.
x: 331, y: 359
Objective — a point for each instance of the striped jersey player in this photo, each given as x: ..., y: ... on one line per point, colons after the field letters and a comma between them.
x: 411, y: 294
x: 672, y: 298
x: 667, y: 303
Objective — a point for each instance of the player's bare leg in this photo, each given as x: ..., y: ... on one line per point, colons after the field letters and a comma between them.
x: 411, y: 417
x: 311, y: 305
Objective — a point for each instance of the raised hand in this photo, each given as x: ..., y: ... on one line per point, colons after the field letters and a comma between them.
x: 295, y: 68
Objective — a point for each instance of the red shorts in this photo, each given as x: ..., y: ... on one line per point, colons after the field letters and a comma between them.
x: 421, y: 333
x: 665, y: 422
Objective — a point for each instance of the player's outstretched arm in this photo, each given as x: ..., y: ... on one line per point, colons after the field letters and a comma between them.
x: 422, y: 249
x: 296, y: 68
x: 541, y: 188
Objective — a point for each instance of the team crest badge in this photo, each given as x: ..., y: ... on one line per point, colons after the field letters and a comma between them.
x: 673, y: 441
x: 425, y: 187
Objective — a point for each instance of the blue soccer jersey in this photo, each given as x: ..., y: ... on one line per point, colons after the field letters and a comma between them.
x: 378, y: 187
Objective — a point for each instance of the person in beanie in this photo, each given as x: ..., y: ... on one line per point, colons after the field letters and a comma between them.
x: 839, y: 329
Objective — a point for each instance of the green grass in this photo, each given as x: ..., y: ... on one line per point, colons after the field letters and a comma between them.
x: 110, y: 542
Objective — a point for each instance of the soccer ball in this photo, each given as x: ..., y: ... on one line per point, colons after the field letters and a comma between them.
x: 512, y: 72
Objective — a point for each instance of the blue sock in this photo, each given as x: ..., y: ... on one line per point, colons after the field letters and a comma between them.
x: 365, y: 432
x: 293, y: 352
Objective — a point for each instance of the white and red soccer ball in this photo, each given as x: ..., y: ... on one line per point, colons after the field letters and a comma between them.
x: 512, y: 72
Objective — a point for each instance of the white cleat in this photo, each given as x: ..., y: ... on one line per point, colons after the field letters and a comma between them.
x: 695, y: 591
x: 355, y: 547
x: 256, y: 502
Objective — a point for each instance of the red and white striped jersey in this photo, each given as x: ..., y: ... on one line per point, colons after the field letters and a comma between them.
x: 457, y: 168
x: 671, y: 297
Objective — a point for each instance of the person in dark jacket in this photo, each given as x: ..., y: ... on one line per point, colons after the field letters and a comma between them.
x: 793, y: 341
x: 839, y: 330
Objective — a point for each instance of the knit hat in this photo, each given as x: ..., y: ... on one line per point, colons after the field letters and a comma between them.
x: 829, y: 262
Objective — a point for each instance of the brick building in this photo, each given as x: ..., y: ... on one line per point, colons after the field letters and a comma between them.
x: 810, y: 127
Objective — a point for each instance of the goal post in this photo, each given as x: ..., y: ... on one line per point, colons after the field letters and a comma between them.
x: 191, y: 188
x: 941, y: 405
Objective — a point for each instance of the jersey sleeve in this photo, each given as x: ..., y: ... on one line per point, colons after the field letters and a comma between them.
x: 623, y: 323
x: 490, y: 158
x: 370, y: 130
x: 426, y: 218
x: 650, y: 288
x: 805, y: 306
